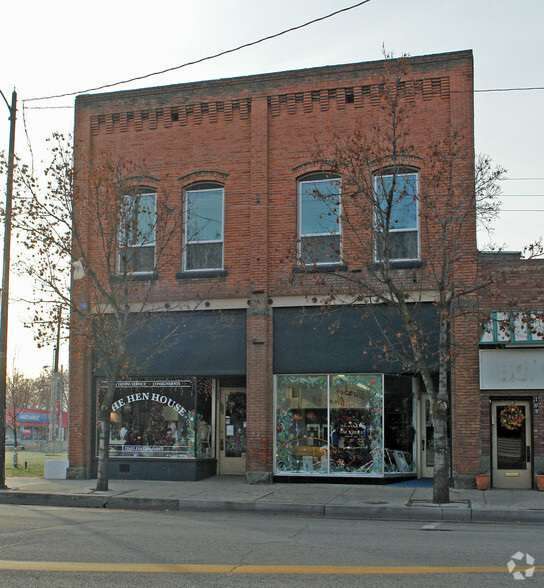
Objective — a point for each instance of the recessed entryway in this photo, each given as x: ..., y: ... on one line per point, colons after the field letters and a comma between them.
x: 511, y: 442
x: 232, y: 427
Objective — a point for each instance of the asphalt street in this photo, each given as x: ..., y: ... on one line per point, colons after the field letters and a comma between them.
x: 90, y: 547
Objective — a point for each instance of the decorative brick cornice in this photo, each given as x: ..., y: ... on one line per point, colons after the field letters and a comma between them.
x: 307, y: 101
x: 163, y: 116
x: 343, y: 97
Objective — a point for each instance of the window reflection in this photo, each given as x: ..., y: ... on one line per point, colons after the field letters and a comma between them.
x: 356, y: 417
x: 302, y: 424
x: 162, y: 418
x: 329, y: 424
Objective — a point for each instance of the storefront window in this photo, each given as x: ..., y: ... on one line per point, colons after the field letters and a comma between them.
x: 356, y: 421
x: 162, y: 418
x: 329, y: 424
x: 302, y: 424
x: 399, y: 430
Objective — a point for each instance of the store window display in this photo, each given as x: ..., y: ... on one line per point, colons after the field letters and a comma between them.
x: 329, y: 424
x: 344, y: 424
x: 162, y: 418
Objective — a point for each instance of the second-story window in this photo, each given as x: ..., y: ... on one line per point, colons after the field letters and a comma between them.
x: 137, y: 233
x: 319, y: 226
x: 204, y: 212
x: 396, y: 215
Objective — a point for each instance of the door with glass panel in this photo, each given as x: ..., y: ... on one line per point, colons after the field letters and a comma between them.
x: 231, y: 438
x: 511, y: 436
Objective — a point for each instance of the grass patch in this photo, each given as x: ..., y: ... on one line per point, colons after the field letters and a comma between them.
x: 33, y: 460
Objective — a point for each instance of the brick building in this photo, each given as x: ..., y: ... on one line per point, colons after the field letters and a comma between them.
x: 266, y: 382
x: 511, y: 368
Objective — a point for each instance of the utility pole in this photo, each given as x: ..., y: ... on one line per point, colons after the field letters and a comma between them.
x: 5, y: 287
x: 56, y: 398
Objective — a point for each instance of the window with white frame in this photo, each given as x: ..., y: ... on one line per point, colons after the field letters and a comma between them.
x: 137, y: 233
x: 204, y: 211
x: 396, y: 215
x: 319, y: 226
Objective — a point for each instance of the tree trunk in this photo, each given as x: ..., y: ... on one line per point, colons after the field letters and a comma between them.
x: 15, y: 448
x: 440, y: 411
x: 104, y: 426
x: 441, y: 485
x: 103, y: 448
x: 439, y: 400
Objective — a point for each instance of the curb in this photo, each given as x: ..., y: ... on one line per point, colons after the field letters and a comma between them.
x: 253, y: 507
x: 64, y: 500
x: 332, y: 511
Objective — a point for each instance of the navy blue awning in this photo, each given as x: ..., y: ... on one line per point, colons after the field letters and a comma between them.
x: 201, y: 343
x: 353, y: 339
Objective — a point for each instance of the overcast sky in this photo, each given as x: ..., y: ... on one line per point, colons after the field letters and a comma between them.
x: 64, y: 46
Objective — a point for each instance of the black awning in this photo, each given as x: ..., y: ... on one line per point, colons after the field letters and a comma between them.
x: 354, y: 339
x: 203, y: 343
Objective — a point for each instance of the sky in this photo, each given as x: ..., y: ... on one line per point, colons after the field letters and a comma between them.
x: 65, y: 46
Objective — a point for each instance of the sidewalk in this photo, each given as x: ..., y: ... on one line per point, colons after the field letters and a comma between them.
x: 231, y: 493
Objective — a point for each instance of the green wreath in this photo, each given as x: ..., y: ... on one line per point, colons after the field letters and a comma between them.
x: 512, y: 417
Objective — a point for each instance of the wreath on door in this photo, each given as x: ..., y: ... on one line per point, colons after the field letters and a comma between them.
x: 512, y: 417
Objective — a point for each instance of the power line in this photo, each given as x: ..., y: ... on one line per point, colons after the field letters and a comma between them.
x: 142, y: 77
x: 47, y: 107
x: 510, y: 89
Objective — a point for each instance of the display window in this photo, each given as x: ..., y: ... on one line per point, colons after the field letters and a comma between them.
x: 162, y: 418
x: 338, y: 424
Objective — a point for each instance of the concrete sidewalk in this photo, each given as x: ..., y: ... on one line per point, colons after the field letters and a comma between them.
x: 231, y: 493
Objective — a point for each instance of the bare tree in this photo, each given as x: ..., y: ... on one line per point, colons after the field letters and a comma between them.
x: 18, y: 397
x: 115, y: 229
x: 408, y: 217
x: 41, y: 391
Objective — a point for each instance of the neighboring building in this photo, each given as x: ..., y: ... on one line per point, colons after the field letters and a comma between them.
x: 33, y: 424
x: 512, y: 368
x: 266, y: 383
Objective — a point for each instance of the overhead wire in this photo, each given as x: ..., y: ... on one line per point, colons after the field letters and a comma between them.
x: 226, y: 52
x: 207, y: 58
x: 510, y: 89
x: 249, y: 44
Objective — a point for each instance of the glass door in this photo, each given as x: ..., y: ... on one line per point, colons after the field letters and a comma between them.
x: 511, y: 433
x: 232, y: 424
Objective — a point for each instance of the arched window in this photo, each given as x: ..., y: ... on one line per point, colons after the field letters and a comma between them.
x: 137, y: 232
x: 204, y: 214
x: 396, y: 214
x: 319, y: 222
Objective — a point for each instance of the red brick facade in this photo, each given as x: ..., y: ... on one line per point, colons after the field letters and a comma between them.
x: 515, y: 286
x: 254, y: 135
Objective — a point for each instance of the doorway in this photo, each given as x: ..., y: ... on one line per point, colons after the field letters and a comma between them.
x: 426, y: 438
x: 511, y: 439
x: 232, y: 427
